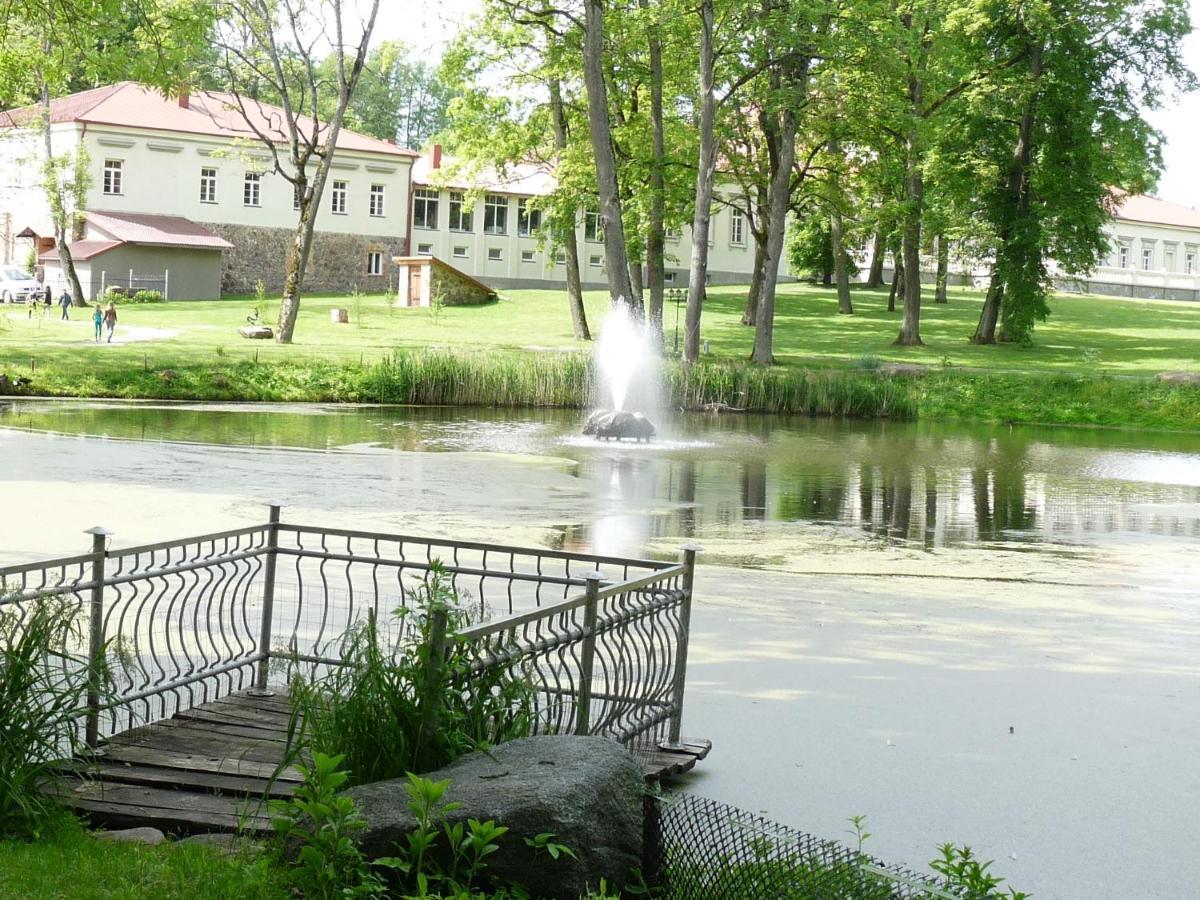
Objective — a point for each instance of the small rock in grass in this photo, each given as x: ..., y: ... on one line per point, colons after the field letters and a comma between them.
x: 151, y: 836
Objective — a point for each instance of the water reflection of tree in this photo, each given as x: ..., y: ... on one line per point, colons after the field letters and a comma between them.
x: 1001, y: 466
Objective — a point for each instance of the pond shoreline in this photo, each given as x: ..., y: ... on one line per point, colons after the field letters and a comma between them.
x: 565, y: 380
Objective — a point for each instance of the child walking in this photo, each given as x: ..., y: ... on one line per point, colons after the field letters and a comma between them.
x: 97, y: 320
x: 110, y: 319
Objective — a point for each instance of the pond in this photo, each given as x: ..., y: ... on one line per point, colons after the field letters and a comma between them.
x: 966, y: 632
x: 714, y: 478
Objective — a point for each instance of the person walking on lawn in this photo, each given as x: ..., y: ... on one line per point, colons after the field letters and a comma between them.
x: 110, y: 319
x: 98, y: 320
x: 65, y: 302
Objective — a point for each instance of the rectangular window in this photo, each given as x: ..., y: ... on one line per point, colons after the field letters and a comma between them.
x: 669, y: 277
x: 494, y: 254
x: 425, y: 249
x: 1147, y: 258
x: 376, y: 204
x: 208, y: 185
x: 252, y: 190
x: 460, y: 252
x: 737, y: 228
x: 529, y: 220
x: 526, y: 256
x: 1123, y: 257
x: 337, y: 200
x: 460, y: 219
x: 1189, y: 263
x: 594, y: 261
x: 113, y: 169
x: 1169, y: 260
x: 673, y: 235
x: 495, y: 214
x: 593, y: 230
x: 374, y: 263
x: 425, y: 208
x: 560, y: 258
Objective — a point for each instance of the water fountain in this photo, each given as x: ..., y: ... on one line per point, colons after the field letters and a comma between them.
x: 627, y: 376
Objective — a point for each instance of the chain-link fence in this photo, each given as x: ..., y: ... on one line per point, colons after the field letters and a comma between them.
x: 699, y: 849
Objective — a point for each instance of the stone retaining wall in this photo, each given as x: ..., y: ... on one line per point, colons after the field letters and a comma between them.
x: 337, y: 262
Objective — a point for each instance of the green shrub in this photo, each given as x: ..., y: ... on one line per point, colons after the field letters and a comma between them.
x: 148, y: 297
x: 400, y: 704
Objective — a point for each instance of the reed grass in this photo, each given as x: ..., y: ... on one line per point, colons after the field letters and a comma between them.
x: 505, y: 379
x: 42, y: 685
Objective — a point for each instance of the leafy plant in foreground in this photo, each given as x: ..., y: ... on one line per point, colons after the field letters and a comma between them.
x: 43, y: 683
x: 321, y: 823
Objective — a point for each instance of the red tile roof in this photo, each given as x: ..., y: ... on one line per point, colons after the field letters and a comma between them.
x: 1152, y: 211
x: 522, y: 178
x: 143, y: 228
x: 83, y: 250
x: 214, y: 113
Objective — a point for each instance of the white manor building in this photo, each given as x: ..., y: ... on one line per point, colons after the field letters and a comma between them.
x: 182, y: 199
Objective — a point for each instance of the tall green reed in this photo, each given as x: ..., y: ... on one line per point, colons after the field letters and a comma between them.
x: 407, y: 698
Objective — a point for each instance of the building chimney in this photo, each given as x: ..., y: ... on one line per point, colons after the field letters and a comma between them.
x: 437, y: 156
x: 185, y: 100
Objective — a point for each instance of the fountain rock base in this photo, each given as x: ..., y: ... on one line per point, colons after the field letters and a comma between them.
x: 617, y: 425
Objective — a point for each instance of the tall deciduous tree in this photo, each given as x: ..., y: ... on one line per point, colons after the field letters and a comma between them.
x: 280, y: 43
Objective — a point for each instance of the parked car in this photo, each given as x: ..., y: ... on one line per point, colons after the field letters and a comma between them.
x: 16, y: 284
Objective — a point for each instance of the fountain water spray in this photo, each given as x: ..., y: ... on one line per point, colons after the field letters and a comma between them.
x: 628, y: 378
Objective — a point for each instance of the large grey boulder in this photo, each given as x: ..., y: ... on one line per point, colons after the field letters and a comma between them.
x: 588, y: 791
x: 618, y: 425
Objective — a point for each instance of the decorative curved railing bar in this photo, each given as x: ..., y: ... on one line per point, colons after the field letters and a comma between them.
x: 177, y: 623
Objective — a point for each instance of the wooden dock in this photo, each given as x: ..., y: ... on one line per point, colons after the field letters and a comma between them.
x: 210, y: 769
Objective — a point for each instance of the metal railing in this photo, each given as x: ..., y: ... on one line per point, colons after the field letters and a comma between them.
x: 178, y: 623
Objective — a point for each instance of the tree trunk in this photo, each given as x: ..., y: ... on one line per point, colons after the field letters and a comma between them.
x: 750, y: 315
x: 567, y: 235
x: 897, y: 282
x: 297, y: 261
x: 914, y: 197
x: 705, y: 173
x: 60, y: 214
x: 875, y: 273
x: 1018, y: 200
x: 656, y: 239
x: 914, y: 184
x: 783, y: 156
x: 840, y: 274
x: 943, y: 269
x: 310, y: 200
x: 985, y: 332
x: 636, y: 282
x: 616, y: 256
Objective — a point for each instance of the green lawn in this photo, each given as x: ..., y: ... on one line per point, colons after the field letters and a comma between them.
x: 1085, y: 335
x: 69, y: 864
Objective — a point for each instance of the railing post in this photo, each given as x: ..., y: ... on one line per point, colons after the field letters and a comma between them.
x: 95, y: 636
x: 587, y: 658
x: 264, y: 634
x: 688, y: 559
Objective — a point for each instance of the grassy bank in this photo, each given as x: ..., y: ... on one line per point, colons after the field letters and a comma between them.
x: 564, y: 380
x: 1091, y: 364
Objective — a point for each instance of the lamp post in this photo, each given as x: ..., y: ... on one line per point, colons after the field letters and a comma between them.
x: 676, y: 295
